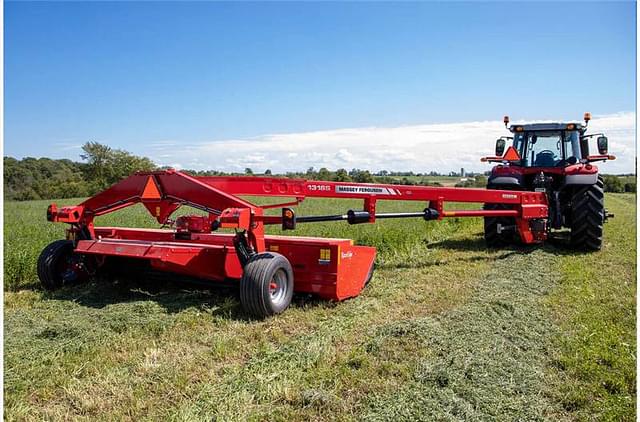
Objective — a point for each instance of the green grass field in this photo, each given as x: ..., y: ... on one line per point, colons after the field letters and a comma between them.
x: 446, y: 330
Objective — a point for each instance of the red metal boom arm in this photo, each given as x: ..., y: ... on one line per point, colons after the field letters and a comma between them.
x: 162, y: 192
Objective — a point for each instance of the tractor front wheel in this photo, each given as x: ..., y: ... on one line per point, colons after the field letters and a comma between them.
x: 266, y: 286
x: 58, y: 264
x: 587, y: 217
x: 498, y: 231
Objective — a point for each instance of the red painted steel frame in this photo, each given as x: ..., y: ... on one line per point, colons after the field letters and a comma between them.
x: 526, y: 205
x: 162, y: 192
x: 331, y: 268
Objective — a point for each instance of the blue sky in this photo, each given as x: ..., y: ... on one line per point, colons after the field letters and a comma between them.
x: 164, y: 79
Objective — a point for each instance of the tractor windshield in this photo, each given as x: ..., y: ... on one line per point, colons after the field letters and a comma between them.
x: 548, y: 148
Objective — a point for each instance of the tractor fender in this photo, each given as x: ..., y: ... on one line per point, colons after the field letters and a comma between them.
x: 581, y: 179
x: 511, y: 181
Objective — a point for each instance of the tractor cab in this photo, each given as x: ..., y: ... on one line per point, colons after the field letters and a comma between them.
x: 549, y: 145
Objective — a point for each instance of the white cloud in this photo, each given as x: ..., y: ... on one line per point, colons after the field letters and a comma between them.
x: 67, y: 146
x: 420, y: 148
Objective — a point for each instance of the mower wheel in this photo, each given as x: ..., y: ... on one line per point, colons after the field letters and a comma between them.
x: 587, y: 217
x: 266, y: 286
x: 58, y: 264
x: 370, y: 274
x: 492, y: 236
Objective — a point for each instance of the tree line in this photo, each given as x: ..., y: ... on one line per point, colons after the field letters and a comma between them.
x: 619, y: 184
x: 101, y: 166
x: 46, y: 178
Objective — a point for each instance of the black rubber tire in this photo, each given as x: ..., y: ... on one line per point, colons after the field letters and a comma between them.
x: 492, y: 238
x: 370, y: 274
x: 587, y: 217
x: 255, y: 291
x: 49, y: 261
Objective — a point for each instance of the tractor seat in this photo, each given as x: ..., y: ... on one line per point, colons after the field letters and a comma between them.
x: 544, y: 159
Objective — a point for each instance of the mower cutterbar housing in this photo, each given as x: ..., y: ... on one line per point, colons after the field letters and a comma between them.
x: 267, y: 268
x: 333, y: 269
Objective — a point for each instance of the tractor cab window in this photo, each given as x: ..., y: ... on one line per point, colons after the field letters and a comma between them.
x: 572, y: 147
x: 518, y: 142
x: 543, y: 149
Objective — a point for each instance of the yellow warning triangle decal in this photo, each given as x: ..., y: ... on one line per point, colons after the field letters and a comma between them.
x: 151, y: 190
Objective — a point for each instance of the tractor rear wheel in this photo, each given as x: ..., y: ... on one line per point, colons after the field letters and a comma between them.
x: 587, y: 217
x: 494, y: 236
x: 266, y: 286
x: 58, y: 264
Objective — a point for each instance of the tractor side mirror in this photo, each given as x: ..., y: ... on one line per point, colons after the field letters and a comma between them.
x: 603, y: 145
x: 500, y: 144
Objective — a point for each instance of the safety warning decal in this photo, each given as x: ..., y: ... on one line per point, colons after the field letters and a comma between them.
x: 370, y: 190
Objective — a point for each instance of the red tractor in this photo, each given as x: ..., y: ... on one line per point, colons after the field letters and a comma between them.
x: 552, y: 158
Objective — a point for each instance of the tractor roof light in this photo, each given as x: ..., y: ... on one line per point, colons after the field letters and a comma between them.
x: 587, y: 117
x: 506, y: 121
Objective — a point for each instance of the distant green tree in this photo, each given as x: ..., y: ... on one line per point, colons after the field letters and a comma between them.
x: 324, y: 174
x: 311, y: 174
x: 613, y: 184
x: 97, y: 157
x: 35, y: 178
x: 106, y: 166
x: 342, y: 176
x: 123, y: 164
x: 45, y: 178
x: 362, y: 176
x: 248, y: 171
x: 629, y: 187
x: 267, y: 172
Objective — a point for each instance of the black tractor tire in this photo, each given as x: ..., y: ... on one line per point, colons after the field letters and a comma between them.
x: 587, y: 217
x: 266, y: 286
x: 53, y: 262
x: 492, y: 238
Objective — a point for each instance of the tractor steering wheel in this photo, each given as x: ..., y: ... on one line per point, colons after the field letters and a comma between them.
x: 545, y: 158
